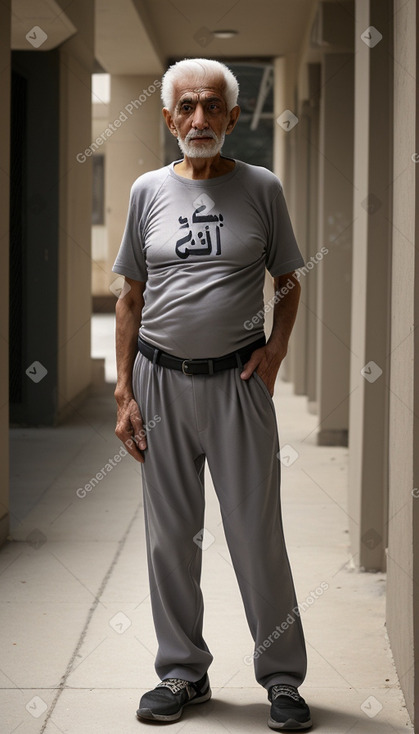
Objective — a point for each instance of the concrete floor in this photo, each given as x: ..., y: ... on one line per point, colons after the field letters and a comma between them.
x: 77, y: 637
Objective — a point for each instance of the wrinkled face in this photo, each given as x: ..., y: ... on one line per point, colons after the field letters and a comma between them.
x: 200, y: 119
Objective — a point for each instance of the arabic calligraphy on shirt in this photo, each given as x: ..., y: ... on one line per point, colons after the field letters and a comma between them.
x: 204, y: 237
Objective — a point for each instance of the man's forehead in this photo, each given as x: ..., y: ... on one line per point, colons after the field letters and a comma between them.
x: 196, y: 89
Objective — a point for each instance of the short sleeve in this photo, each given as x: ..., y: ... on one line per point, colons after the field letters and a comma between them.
x: 282, y: 252
x: 130, y: 260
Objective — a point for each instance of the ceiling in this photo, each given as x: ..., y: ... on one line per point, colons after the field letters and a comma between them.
x: 165, y: 29
x: 124, y: 42
x: 39, y: 23
x: 140, y: 36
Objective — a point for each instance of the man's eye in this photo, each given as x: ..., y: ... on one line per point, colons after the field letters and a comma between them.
x: 186, y: 107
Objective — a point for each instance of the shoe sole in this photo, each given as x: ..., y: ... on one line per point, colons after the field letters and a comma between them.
x: 148, y: 714
x: 289, y: 724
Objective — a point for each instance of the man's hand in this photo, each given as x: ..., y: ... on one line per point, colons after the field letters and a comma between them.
x: 129, y: 426
x: 266, y: 362
x: 129, y: 423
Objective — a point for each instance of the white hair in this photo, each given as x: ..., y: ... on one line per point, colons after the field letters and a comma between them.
x: 200, y: 70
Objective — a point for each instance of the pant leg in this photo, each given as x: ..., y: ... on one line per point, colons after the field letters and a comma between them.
x: 173, y: 490
x: 241, y: 444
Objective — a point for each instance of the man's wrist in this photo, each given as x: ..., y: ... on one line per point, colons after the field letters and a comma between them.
x: 277, y: 346
x: 123, y: 394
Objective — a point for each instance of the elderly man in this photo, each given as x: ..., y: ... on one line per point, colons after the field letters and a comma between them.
x: 198, y: 386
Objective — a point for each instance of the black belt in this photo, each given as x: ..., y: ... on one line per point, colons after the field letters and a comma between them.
x: 199, y: 366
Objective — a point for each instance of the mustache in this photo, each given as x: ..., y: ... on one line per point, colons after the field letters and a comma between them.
x: 200, y: 134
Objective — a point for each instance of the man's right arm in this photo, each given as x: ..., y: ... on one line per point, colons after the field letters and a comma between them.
x: 129, y: 424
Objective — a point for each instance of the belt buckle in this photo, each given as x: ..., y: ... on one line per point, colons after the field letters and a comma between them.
x: 184, y: 368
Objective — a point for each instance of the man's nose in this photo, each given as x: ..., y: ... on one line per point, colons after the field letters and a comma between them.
x: 199, y: 121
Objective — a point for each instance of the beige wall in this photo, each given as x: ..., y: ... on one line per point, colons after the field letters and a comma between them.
x: 132, y: 148
x: 76, y: 64
x: 403, y: 596
x: 5, y: 12
x: 136, y: 147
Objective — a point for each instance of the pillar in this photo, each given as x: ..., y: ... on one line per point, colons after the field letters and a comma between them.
x: 75, y: 205
x: 368, y: 439
x: 335, y: 234
x: 284, y: 158
x: 299, y: 337
x: 136, y: 147
x: 403, y: 527
x: 314, y: 79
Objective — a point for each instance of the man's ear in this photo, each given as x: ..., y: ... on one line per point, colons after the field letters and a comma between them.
x: 233, y: 117
x: 169, y: 121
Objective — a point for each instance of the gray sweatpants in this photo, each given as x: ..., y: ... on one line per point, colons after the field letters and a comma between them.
x: 232, y: 424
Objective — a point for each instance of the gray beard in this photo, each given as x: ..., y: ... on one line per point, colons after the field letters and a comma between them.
x: 205, y: 150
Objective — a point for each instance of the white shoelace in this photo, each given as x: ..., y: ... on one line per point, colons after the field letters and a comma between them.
x: 281, y: 689
x: 175, y: 685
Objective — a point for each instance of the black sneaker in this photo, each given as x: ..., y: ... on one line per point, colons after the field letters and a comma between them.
x: 289, y: 711
x: 166, y: 701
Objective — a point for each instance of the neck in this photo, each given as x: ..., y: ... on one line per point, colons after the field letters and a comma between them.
x: 202, y: 168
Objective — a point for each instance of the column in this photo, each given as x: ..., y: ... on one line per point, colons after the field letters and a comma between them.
x: 75, y: 207
x: 299, y: 336
x: 284, y: 158
x: 368, y: 432
x: 335, y: 234
x: 403, y: 523
x: 314, y: 78
x: 135, y: 147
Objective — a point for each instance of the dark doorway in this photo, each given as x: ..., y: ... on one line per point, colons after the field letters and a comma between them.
x: 34, y: 237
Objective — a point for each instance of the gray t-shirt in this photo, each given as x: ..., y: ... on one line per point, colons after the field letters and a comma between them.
x: 202, y: 247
